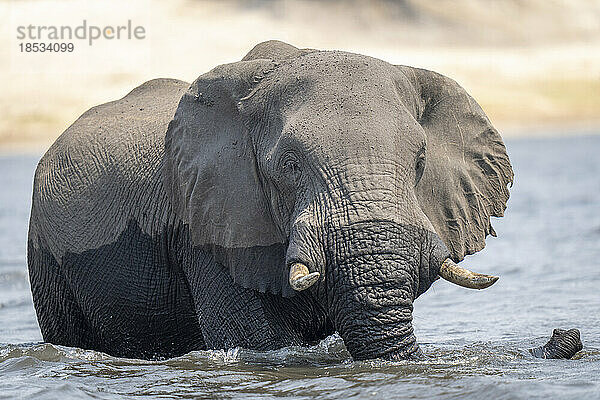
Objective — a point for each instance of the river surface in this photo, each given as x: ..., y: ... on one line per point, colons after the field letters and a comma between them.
x: 547, y: 254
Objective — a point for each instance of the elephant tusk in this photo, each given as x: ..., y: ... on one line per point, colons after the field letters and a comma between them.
x: 300, y: 278
x: 460, y: 276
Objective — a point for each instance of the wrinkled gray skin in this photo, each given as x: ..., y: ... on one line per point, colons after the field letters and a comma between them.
x: 166, y: 221
x: 563, y: 344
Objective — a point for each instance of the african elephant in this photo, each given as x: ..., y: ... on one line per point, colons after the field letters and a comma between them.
x: 272, y: 202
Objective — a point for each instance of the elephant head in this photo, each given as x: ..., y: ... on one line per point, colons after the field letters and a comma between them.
x: 362, y: 180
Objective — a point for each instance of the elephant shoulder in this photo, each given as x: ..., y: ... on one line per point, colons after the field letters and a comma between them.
x: 104, y: 170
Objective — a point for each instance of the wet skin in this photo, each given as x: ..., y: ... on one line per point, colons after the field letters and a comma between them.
x: 563, y: 344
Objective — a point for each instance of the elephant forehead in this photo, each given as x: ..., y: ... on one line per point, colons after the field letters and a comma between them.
x: 339, y: 103
x: 331, y: 74
x: 371, y: 134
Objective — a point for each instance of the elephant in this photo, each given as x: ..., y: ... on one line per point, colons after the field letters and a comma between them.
x: 272, y: 202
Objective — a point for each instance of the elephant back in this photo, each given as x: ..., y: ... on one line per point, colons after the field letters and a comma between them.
x: 103, y: 172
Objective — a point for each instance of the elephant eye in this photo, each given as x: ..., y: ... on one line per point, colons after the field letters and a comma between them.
x: 419, y: 166
x: 291, y: 166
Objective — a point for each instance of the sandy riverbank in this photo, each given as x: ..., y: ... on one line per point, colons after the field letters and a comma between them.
x: 534, y: 68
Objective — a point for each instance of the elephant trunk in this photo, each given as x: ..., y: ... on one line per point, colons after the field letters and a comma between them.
x: 372, y: 326
x: 375, y: 271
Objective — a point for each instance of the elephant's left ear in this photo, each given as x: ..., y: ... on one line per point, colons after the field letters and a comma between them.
x: 467, y: 168
x: 210, y: 173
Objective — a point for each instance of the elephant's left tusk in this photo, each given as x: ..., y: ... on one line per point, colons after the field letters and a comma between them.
x: 300, y: 278
x: 460, y: 276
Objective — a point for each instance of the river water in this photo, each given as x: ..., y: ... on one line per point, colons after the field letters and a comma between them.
x: 547, y: 254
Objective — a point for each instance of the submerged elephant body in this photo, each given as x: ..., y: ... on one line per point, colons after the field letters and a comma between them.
x: 170, y: 220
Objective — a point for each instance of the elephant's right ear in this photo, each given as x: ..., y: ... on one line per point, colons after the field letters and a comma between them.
x: 210, y: 171
x: 467, y: 171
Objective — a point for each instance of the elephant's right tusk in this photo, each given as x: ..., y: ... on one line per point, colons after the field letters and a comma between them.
x: 460, y: 276
x: 300, y: 278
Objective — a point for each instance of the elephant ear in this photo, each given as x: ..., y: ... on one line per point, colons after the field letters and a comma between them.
x: 467, y: 168
x: 210, y: 171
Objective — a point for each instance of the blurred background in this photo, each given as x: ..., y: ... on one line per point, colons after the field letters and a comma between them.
x: 534, y: 66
